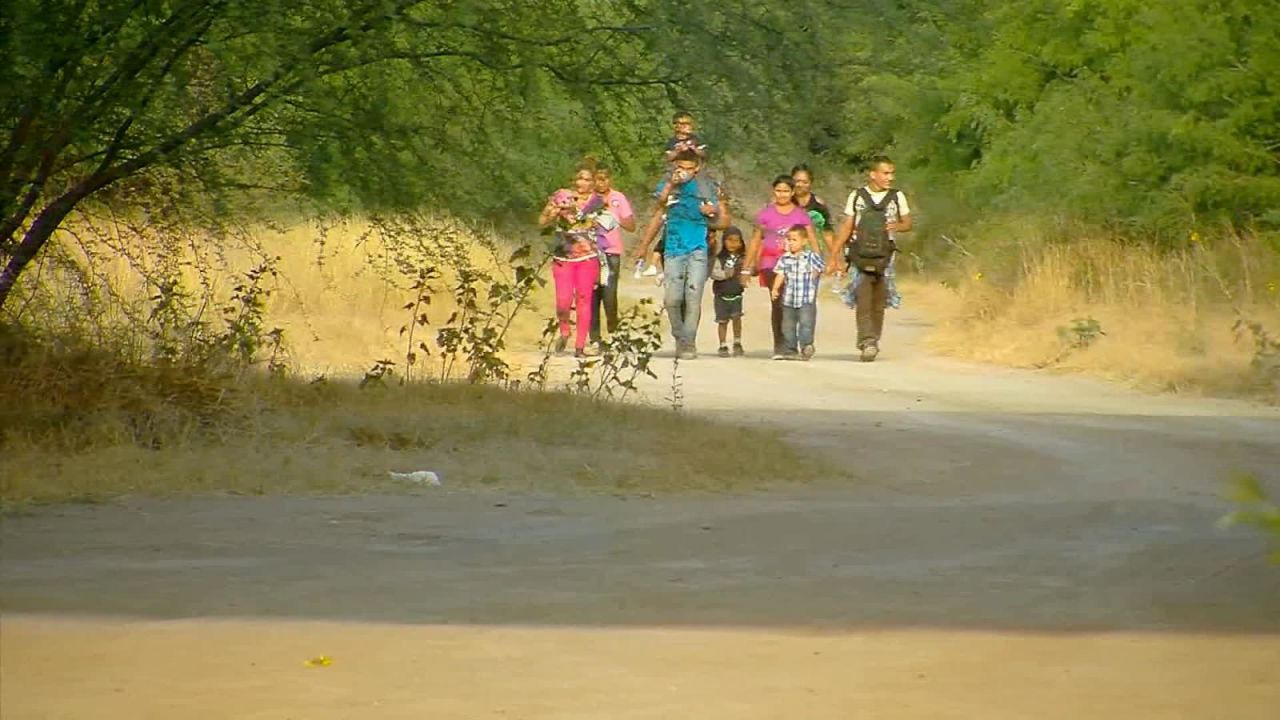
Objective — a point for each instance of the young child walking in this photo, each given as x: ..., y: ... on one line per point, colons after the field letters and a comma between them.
x: 796, y: 284
x: 726, y: 286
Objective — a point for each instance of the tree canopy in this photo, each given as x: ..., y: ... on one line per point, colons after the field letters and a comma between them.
x: 1145, y: 119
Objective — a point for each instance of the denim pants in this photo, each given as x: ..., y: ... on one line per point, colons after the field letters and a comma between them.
x: 685, y: 277
x: 798, y: 324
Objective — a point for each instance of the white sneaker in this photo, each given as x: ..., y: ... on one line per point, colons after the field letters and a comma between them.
x: 650, y: 271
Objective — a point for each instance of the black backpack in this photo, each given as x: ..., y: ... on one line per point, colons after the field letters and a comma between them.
x: 873, y: 248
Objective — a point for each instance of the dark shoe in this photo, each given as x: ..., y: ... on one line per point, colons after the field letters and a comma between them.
x: 869, y: 352
x: 562, y: 342
x: 738, y: 351
x: 580, y: 353
x: 806, y: 352
x: 723, y: 351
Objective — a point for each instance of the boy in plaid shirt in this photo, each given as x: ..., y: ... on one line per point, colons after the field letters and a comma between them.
x: 796, y: 283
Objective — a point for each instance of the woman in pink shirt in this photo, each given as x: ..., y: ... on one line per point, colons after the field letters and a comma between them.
x: 575, y: 265
x: 769, y: 242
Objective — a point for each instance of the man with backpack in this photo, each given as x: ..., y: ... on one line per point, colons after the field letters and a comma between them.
x: 873, y: 216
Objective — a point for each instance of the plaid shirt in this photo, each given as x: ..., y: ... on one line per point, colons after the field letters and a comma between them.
x: 801, y: 272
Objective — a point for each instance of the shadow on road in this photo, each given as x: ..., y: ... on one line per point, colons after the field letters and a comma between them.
x: 956, y: 520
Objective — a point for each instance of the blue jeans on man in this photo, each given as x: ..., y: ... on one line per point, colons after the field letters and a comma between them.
x: 685, y: 277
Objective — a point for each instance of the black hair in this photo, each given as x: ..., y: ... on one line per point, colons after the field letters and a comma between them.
x: 798, y: 228
x: 724, y: 246
x: 804, y: 168
x: 687, y: 155
x: 785, y: 179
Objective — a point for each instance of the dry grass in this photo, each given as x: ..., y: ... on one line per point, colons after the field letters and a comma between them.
x: 338, y: 294
x: 1168, y: 317
x: 101, y: 428
x: 89, y: 414
x: 342, y: 303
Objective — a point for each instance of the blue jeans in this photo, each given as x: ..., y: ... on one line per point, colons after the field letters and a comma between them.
x: 798, y: 324
x: 685, y: 277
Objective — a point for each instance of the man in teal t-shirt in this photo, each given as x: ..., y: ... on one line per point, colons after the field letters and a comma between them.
x: 690, y: 201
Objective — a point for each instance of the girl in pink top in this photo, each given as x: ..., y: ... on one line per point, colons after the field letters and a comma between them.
x: 769, y: 242
x: 575, y: 266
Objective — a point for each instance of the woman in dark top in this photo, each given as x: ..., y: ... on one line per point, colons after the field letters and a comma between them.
x: 802, y: 176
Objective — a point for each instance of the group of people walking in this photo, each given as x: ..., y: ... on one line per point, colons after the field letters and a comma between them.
x: 691, y: 238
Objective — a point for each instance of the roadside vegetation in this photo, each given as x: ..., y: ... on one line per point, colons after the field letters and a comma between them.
x: 271, y: 376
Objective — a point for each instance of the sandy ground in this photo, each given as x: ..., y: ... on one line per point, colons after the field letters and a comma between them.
x: 1016, y: 545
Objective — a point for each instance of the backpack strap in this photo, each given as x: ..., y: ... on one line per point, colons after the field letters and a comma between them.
x: 889, y: 196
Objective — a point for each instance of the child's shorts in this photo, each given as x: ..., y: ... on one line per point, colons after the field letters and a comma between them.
x: 728, y: 307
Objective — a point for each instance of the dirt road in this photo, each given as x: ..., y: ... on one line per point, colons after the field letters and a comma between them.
x: 1016, y: 545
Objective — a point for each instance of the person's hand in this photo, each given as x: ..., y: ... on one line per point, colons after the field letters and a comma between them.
x: 891, y: 226
x: 708, y: 208
x: 775, y: 294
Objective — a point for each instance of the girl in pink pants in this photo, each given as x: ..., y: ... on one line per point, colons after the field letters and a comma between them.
x: 575, y: 214
x: 575, y: 281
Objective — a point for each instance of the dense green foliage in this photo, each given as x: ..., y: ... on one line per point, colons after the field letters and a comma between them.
x: 1146, y: 120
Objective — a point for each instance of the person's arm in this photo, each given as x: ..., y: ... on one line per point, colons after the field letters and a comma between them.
x: 650, y: 233
x: 776, y: 290
x: 842, y: 236
x: 721, y: 217
x: 812, y: 238
x: 624, y: 212
x: 828, y: 237
x: 753, y: 250
x: 904, y: 223
x: 548, y: 214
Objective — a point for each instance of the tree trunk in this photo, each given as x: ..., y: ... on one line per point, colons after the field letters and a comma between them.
x: 42, y: 229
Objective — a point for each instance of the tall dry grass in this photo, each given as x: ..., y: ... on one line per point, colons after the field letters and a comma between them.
x: 337, y: 290
x: 1163, y: 320
x: 93, y: 410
